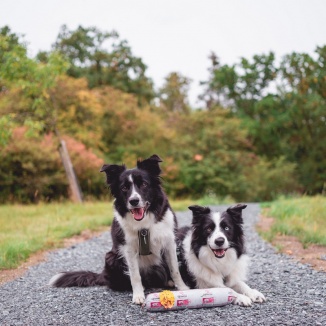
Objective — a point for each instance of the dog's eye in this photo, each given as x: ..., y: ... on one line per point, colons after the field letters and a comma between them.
x: 124, y: 189
x: 226, y: 228
x: 144, y: 184
x: 209, y: 230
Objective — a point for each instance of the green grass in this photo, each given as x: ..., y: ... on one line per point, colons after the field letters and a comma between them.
x: 27, y: 229
x: 304, y: 218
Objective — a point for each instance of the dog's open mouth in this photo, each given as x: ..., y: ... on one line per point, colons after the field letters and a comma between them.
x: 219, y: 253
x: 138, y: 213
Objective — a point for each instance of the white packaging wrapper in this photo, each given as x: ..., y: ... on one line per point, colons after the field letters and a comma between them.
x: 198, y: 298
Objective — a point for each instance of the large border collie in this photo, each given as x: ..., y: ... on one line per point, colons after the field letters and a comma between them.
x: 211, y: 253
x: 143, y: 234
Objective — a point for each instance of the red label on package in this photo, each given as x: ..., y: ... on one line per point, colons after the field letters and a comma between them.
x: 156, y: 305
x: 181, y: 303
x: 208, y: 300
x: 230, y: 298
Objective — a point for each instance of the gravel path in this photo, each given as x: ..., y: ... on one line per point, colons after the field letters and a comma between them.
x: 296, y: 294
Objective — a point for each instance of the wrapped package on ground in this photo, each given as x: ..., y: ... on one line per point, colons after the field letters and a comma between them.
x: 198, y: 298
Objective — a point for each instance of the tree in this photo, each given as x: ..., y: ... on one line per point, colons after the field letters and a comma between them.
x: 174, y: 94
x: 220, y: 89
x: 33, y: 82
x: 128, y: 132
x: 304, y: 126
x: 215, y: 157
x: 29, y: 83
x: 78, y: 110
x: 8, y: 41
x: 104, y: 60
x: 12, y: 40
x: 240, y: 85
x: 286, y: 120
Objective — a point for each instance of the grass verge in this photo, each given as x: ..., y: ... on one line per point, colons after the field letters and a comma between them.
x: 304, y: 218
x: 27, y: 229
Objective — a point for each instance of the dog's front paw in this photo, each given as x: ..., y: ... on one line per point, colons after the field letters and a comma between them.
x: 170, y: 284
x: 138, y: 298
x: 183, y: 287
x: 242, y: 300
x: 256, y: 296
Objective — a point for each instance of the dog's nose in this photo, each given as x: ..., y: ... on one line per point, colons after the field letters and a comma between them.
x: 134, y: 201
x: 219, y: 241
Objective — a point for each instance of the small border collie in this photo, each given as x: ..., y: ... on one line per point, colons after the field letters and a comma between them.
x: 211, y: 253
x: 143, y: 234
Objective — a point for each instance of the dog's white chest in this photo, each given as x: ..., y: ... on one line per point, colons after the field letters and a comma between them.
x: 160, y: 235
x: 208, y: 270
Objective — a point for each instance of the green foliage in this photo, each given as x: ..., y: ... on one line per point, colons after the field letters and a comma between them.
x: 304, y: 124
x: 31, y: 169
x: 215, y: 157
x: 12, y: 38
x: 173, y: 94
x: 26, y: 84
x: 5, y: 129
x: 104, y: 60
x: 209, y: 151
x: 290, y: 122
x: 239, y: 86
x: 74, y: 102
x: 130, y: 132
x: 266, y: 179
x: 261, y: 134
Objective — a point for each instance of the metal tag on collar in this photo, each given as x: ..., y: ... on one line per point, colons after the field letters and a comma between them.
x: 144, y: 242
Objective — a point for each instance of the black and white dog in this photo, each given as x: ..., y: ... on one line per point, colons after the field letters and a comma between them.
x: 212, y: 254
x: 143, y: 234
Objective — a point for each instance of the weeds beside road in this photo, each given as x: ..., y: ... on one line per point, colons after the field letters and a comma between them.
x: 303, y: 217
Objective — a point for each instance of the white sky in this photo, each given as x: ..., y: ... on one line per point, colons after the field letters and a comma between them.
x: 178, y: 35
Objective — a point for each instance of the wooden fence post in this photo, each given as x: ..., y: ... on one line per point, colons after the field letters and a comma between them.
x: 75, y: 191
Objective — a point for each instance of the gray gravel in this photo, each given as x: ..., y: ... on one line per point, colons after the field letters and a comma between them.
x: 296, y: 293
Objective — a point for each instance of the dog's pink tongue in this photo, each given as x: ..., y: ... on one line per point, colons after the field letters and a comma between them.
x: 138, y: 213
x: 219, y: 252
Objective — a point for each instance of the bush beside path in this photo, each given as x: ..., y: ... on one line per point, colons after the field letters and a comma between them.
x: 296, y: 293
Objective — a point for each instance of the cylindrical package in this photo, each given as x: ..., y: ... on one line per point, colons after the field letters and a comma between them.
x: 198, y: 298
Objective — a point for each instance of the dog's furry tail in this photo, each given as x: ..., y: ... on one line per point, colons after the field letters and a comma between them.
x: 78, y: 279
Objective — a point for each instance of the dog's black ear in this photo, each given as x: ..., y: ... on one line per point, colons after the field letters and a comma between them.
x: 151, y: 164
x: 112, y: 171
x: 236, y: 211
x: 198, y: 212
x: 199, y: 209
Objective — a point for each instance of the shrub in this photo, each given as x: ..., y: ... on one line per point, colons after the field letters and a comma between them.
x: 213, y: 156
x: 31, y: 169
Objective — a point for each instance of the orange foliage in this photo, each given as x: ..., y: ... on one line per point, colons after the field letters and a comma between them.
x: 87, y: 166
x: 84, y: 159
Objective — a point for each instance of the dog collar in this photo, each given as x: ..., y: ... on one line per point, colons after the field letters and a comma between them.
x: 144, y: 242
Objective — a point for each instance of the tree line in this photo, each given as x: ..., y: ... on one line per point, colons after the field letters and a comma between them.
x: 260, y: 131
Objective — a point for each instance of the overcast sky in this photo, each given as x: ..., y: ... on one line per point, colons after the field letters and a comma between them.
x: 178, y: 35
